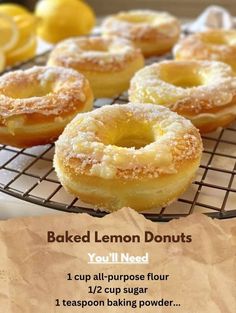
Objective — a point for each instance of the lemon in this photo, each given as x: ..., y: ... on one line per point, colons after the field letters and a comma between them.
x: 59, y: 19
x: 25, y: 49
x: 2, y: 61
x: 8, y: 32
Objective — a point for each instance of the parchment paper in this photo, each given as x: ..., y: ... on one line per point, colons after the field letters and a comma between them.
x: 202, y: 273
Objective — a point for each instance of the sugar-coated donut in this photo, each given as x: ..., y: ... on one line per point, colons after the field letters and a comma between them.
x: 128, y: 155
x: 202, y: 91
x: 215, y: 45
x: 108, y: 63
x: 155, y: 33
x: 36, y: 104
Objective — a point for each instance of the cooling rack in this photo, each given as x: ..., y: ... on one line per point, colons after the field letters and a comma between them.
x: 28, y: 174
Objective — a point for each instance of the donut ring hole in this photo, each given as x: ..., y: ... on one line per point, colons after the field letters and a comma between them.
x: 100, y: 47
x: 30, y: 91
x: 136, y: 18
x: 141, y: 18
x: 135, y: 139
x: 218, y: 38
x: 24, y: 87
x: 92, y: 45
x: 182, y: 75
x: 36, y: 85
x: 131, y: 134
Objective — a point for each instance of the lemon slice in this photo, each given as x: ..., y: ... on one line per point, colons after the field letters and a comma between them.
x: 25, y: 50
x: 9, y: 33
x: 2, y: 61
x: 24, y: 19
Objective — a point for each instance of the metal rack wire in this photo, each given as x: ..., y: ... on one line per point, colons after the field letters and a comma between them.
x: 28, y: 174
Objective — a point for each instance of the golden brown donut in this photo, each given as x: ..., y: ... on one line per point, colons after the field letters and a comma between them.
x: 155, y: 33
x: 108, y: 63
x: 129, y: 155
x: 36, y: 104
x: 215, y: 45
x: 202, y: 91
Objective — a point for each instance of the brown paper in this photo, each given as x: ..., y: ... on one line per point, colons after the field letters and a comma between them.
x: 33, y: 272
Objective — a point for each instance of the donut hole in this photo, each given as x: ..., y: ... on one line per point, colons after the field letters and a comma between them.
x: 94, y: 45
x: 29, y: 90
x: 187, y: 81
x: 136, y: 19
x: 181, y: 75
x: 133, y: 142
x: 214, y: 39
x: 219, y: 38
x: 135, y: 136
x: 100, y: 48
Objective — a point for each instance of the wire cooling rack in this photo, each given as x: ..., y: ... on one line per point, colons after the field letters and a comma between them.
x: 28, y: 174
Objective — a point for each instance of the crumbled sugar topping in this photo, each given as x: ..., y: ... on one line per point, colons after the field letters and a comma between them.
x: 218, y: 88
x: 85, y: 144
x: 91, y: 52
x: 66, y: 94
x: 47, y: 76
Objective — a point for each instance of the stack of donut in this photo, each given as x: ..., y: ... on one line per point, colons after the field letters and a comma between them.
x: 143, y: 154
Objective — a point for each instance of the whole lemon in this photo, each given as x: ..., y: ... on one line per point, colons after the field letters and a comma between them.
x: 60, y: 19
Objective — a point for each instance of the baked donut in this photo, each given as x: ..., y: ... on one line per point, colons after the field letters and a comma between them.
x: 36, y: 104
x: 108, y: 63
x: 215, y: 45
x: 129, y: 155
x: 202, y: 91
x: 155, y: 33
